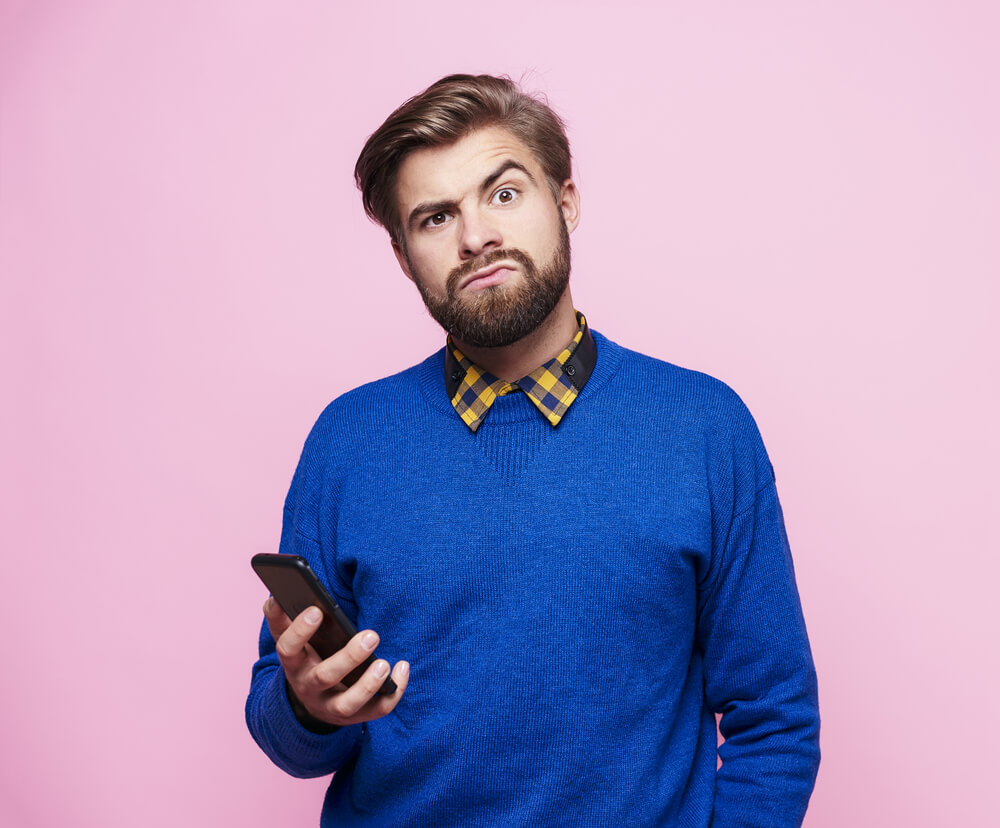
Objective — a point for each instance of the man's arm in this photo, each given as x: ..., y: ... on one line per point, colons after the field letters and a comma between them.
x: 297, y: 710
x: 759, y: 673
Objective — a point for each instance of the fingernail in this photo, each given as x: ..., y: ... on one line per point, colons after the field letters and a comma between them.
x: 381, y: 669
x: 369, y: 640
x: 313, y: 615
x: 404, y: 669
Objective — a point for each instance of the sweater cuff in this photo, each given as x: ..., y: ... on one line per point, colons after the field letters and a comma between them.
x: 306, y: 753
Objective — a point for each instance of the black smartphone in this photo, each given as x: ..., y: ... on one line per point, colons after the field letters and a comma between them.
x: 296, y: 588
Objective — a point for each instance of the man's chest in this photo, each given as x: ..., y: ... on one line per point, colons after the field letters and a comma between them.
x: 614, y: 528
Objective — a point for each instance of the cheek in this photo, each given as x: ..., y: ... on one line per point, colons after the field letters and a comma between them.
x: 430, y: 264
x: 539, y: 244
x: 539, y: 228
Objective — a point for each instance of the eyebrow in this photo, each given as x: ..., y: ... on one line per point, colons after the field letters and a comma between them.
x: 432, y: 207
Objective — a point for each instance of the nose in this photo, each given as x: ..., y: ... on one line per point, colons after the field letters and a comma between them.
x: 479, y: 235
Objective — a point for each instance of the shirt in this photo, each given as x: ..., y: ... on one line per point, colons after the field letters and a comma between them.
x: 552, y: 387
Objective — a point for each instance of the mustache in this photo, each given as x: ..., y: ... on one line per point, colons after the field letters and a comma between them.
x: 468, y: 268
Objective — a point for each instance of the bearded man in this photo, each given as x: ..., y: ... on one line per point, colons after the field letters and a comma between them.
x: 577, y: 549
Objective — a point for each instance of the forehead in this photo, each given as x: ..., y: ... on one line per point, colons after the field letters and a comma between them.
x: 450, y: 172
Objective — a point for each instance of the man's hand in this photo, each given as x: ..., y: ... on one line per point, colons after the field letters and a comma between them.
x: 316, y: 682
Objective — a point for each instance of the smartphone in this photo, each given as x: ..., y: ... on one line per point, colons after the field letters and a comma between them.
x: 296, y: 588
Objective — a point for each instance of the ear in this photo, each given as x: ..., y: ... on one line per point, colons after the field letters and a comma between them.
x: 404, y: 264
x: 569, y: 203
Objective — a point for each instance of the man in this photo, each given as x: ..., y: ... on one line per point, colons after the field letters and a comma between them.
x: 578, y: 548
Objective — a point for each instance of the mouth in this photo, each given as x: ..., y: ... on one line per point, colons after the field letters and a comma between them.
x: 489, y: 276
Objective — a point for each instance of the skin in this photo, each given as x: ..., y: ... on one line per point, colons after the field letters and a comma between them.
x: 315, y: 682
x: 454, y: 212
x: 455, y: 209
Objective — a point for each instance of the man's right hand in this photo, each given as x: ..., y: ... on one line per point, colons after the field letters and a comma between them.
x: 316, y: 682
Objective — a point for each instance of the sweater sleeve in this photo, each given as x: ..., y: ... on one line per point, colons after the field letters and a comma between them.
x: 759, y: 673
x: 275, y: 728
x: 270, y: 718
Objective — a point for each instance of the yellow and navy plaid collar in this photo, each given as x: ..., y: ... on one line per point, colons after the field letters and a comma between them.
x: 552, y: 387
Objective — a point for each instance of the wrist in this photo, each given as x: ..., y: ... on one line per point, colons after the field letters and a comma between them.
x: 304, y: 717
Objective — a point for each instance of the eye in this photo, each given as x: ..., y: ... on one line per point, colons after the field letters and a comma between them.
x: 504, y: 196
x: 436, y: 220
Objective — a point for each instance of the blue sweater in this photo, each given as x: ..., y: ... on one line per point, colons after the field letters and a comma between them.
x: 576, y: 603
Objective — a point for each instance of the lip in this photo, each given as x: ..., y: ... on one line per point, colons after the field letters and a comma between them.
x: 494, y: 274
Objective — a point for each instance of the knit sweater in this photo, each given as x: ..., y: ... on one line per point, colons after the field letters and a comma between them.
x: 577, y: 603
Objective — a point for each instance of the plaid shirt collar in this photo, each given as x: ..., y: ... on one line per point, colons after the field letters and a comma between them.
x: 552, y: 387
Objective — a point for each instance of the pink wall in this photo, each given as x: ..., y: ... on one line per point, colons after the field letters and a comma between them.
x: 801, y: 198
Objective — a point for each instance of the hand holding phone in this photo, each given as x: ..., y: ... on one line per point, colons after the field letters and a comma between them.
x: 348, y: 685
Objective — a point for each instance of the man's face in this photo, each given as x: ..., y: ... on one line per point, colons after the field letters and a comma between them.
x: 486, y: 240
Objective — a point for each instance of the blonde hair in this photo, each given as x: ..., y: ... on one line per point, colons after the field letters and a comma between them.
x: 444, y: 113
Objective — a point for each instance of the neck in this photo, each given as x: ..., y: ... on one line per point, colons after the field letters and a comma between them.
x: 515, y: 361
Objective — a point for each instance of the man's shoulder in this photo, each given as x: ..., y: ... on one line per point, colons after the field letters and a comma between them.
x: 395, y: 389
x: 680, y: 404
x: 382, y: 413
x: 385, y: 403
x: 668, y: 385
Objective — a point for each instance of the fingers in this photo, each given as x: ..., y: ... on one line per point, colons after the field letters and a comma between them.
x: 277, y: 621
x: 359, y: 703
x: 317, y: 684
x: 332, y: 670
x: 292, y: 637
x: 401, y: 676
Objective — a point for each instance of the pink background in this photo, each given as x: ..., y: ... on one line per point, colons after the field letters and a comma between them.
x: 800, y: 198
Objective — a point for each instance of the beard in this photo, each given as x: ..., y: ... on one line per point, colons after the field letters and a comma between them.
x: 502, y: 314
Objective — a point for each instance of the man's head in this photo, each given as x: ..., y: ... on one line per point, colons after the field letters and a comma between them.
x: 472, y: 181
x: 442, y: 114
